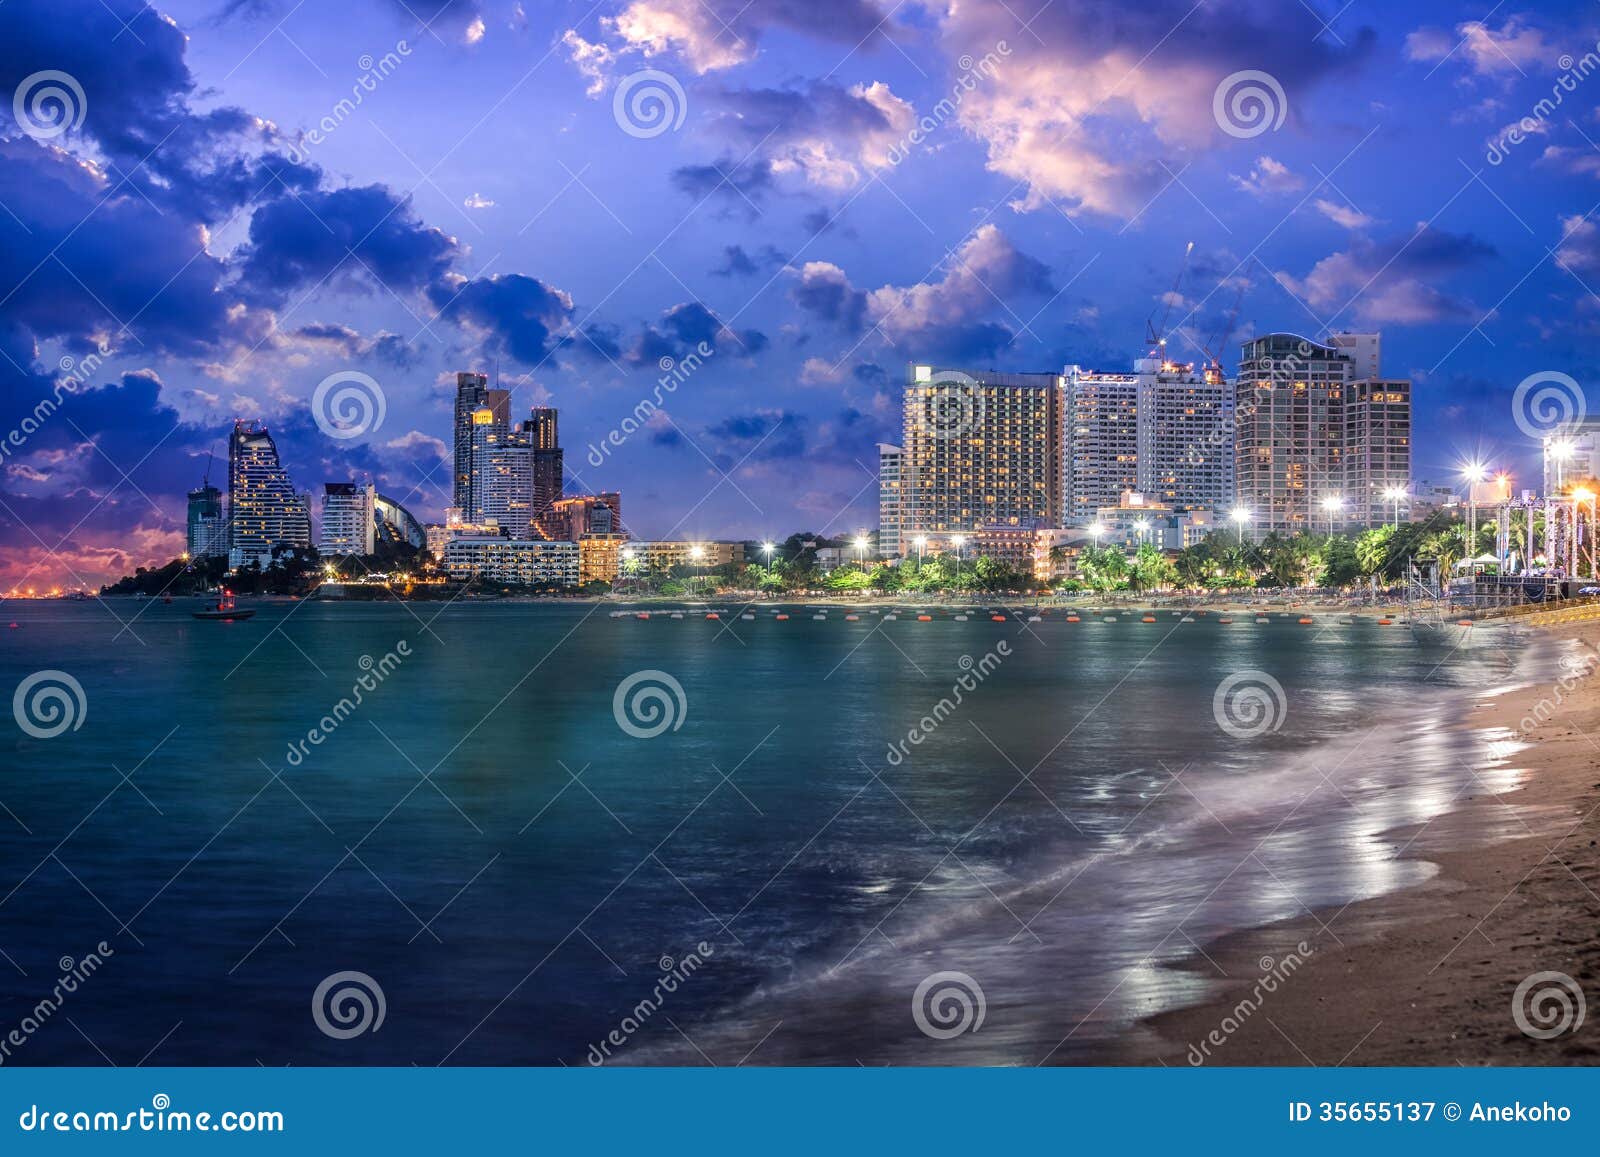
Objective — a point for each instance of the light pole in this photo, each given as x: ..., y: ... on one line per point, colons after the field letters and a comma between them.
x: 1561, y: 450
x: 1474, y: 473
x: 1140, y: 527
x: 861, y: 551
x: 1240, y: 516
x: 1396, y: 495
x: 1096, y: 529
x: 767, y: 548
x: 1332, y: 504
x: 921, y: 541
x: 958, y: 541
x: 696, y: 553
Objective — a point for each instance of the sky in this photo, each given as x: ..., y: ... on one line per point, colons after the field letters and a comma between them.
x: 208, y: 208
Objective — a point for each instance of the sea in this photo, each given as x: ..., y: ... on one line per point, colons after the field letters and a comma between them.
x: 523, y: 833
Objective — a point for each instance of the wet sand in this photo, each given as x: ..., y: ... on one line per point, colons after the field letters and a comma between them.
x: 1428, y: 975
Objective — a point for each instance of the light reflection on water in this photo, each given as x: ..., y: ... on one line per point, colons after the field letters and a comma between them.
x: 1078, y: 821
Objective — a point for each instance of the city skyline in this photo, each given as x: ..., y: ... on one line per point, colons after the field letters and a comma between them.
x: 234, y: 227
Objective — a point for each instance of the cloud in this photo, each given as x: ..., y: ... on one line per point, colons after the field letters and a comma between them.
x: 1082, y: 109
x: 1394, y: 281
x: 1346, y: 215
x: 948, y: 316
x: 1482, y: 50
x: 820, y: 133
x: 1269, y: 178
x: 709, y: 35
x: 738, y: 263
x: 684, y: 328
x: 512, y: 312
x: 1579, y: 249
x: 353, y: 236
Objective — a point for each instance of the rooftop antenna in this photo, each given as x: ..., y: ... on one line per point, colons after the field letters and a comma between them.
x: 1156, y: 336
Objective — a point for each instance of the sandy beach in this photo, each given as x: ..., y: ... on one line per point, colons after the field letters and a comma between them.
x: 1428, y: 975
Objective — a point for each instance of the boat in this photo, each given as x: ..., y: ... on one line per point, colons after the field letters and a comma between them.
x: 226, y: 610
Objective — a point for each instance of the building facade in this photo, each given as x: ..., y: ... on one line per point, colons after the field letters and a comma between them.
x: 1377, y: 450
x: 572, y: 518
x: 1101, y: 459
x: 600, y: 557
x: 264, y: 511
x: 665, y: 555
x: 473, y: 394
x: 1290, y: 437
x: 521, y: 562
x: 890, y: 495
x: 1185, y: 436
x: 540, y: 431
x: 349, y: 524
x: 979, y: 449
x: 207, y: 535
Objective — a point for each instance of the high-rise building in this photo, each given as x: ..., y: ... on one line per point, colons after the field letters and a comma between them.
x: 890, y: 492
x: 1185, y: 436
x: 1289, y: 411
x: 1365, y: 350
x: 502, y: 474
x: 264, y: 512
x: 1101, y: 455
x: 349, y: 525
x: 1571, y: 455
x: 207, y: 529
x: 572, y: 518
x: 548, y: 469
x: 1377, y: 447
x: 979, y: 449
x: 473, y: 394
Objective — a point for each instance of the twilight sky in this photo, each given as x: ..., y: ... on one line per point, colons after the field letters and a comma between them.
x: 230, y: 234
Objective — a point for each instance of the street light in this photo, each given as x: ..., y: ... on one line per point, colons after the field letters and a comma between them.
x: 958, y: 541
x: 1241, y: 516
x: 1561, y: 450
x: 1140, y: 526
x: 920, y: 541
x: 1096, y: 529
x: 1396, y: 495
x: 1332, y: 504
x: 861, y: 551
x: 696, y: 553
x: 1474, y: 473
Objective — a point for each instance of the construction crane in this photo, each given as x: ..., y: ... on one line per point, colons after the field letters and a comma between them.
x: 1213, y: 349
x: 1156, y: 336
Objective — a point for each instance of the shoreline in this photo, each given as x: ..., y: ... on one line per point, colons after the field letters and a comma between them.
x: 1427, y: 974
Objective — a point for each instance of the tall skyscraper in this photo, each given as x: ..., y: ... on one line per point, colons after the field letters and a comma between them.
x: 207, y: 530
x: 1101, y: 456
x: 264, y: 512
x: 502, y: 474
x: 1185, y: 436
x: 1377, y: 450
x: 473, y: 394
x: 980, y: 449
x: 548, y: 470
x: 890, y: 495
x: 348, y: 522
x: 1289, y: 402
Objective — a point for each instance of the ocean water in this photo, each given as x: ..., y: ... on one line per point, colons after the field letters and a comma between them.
x: 516, y: 871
